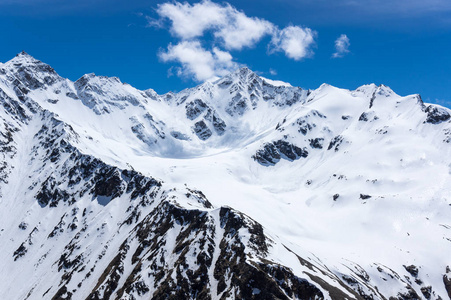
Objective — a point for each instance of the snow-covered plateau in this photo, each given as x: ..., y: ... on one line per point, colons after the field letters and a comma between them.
x: 241, y: 188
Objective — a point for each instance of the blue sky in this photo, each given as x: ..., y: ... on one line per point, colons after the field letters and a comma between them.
x: 173, y: 45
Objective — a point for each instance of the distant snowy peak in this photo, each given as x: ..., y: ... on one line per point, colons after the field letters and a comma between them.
x: 24, y: 58
x: 237, y: 106
x: 102, y: 94
x: 25, y: 62
x: 29, y: 72
x: 240, y: 93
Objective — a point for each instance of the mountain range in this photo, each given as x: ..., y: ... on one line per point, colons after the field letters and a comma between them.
x: 239, y: 188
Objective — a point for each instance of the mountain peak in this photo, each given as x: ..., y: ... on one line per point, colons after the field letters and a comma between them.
x: 243, y: 75
x: 241, y: 72
x: 24, y: 58
x: 31, y: 72
x: 23, y: 53
x: 245, y: 71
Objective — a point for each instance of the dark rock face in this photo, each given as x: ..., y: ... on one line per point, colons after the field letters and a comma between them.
x: 413, y: 270
x: 288, y: 95
x: 436, y: 115
x: 218, y: 124
x: 447, y: 281
x: 427, y: 292
x: 305, y: 124
x: 78, y: 174
x: 269, y: 155
x: 273, y: 152
x: 237, y: 105
x: 14, y: 108
x: 317, y: 143
x: 335, y: 143
x: 225, y: 83
x: 447, y: 135
x: 7, y: 150
x: 410, y: 294
x: 108, y: 183
x: 261, y: 280
x: 200, y: 197
x: 364, y: 117
x: 183, y: 273
x: 368, y: 116
x: 100, y: 180
x: 195, y: 108
x: 290, y: 151
x: 373, y: 97
x: 23, y: 248
x: 202, y: 131
x: 247, y: 89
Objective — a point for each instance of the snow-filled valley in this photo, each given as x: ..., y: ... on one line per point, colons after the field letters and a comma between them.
x: 241, y: 188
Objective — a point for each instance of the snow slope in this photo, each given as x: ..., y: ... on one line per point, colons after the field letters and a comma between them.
x: 239, y: 188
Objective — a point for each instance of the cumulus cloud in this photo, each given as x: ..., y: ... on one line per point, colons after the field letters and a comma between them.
x: 232, y: 27
x: 295, y: 41
x: 190, y: 21
x: 229, y: 29
x: 199, y: 62
x: 341, y: 46
x: 242, y: 31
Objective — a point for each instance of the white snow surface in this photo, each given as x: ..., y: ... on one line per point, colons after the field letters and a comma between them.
x: 387, y: 151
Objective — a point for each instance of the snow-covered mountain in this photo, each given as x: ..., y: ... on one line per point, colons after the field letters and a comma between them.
x: 242, y: 188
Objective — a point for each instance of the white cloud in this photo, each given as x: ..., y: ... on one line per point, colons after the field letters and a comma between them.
x: 199, y: 62
x: 242, y: 31
x: 190, y: 21
x: 341, y: 46
x: 295, y: 41
x: 230, y: 29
